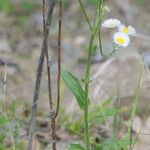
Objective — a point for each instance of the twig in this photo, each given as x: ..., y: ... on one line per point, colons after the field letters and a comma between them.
x: 59, y: 58
x: 39, y: 74
x: 52, y: 111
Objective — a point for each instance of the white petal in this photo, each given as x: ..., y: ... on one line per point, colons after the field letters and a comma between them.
x: 111, y: 23
x: 132, y: 31
x: 124, y: 36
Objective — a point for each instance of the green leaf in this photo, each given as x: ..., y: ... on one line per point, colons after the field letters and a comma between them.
x: 6, y: 6
x: 102, y: 113
x: 113, y: 144
x: 2, y: 137
x: 74, y: 85
x: 106, y: 103
x: 109, y: 112
x: 75, y: 147
x: 93, y: 2
x: 3, y: 120
x: 28, y: 6
x: 2, y: 147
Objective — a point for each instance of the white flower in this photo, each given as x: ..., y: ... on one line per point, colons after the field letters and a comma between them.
x: 127, y: 30
x: 121, y: 39
x: 111, y: 23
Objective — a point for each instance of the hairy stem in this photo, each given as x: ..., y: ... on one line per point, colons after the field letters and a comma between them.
x: 93, y: 30
x: 87, y: 80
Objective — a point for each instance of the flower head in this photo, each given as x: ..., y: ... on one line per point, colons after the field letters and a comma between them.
x: 127, y: 30
x: 121, y: 39
x: 111, y: 23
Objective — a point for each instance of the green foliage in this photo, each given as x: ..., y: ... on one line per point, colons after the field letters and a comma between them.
x: 2, y: 147
x: 21, y: 20
x: 75, y: 147
x: 102, y: 113
x: 25, y: 6
x: 76, y: 126
x: 2, y: 137
x: 93, y: 2
x: 3, y: 121
x: 9, y: 123
x: 140, y: 2
x: 6, y: 6
x: 65, y: 3
x: 113, y: 144
x: 28, y: 6
x: 74, y: 85
x: 94, y: 48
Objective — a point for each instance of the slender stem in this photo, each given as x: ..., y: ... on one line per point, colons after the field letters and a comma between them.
x: 59, y: 58
x: 93, y: 30
x: 85, y: 14
x: 39, y: 76
x: 47, y: 58
x: 86, y: 126
x: 100, y: 33
x: 52, y: 111
x: 95, y: 15
x: 136, y: 98
x: 87, y: 79
x: 53, y: 119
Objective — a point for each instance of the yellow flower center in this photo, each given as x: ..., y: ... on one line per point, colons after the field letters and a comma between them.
x: 125, y: 30
x: 120, y: 40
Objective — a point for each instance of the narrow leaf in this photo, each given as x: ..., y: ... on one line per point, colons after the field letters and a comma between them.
x: 100, y: 115
x: 76, y: 147
x: 74, y: 85
x: 113, y: 144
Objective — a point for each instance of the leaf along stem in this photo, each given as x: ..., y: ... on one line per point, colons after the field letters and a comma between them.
x: 93, y: 30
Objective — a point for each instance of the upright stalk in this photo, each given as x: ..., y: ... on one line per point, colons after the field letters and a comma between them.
x: 93, y: 31
x: 52, y: 111
x: 55, y: 113
x: 87, y: 80
x: 100, y: 34
x: 39, y: 75
x: 59, y: 49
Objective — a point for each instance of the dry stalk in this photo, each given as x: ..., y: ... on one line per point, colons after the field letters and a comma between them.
x: 39, y: 75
